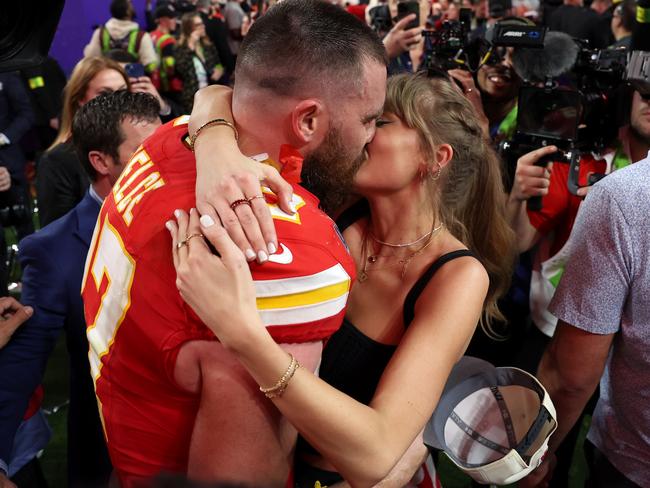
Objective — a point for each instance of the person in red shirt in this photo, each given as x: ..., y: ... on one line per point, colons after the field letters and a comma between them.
x: 171, y: 397
x: 165, y: 78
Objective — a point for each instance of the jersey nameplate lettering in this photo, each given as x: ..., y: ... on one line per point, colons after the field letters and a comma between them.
x: 138, y: 178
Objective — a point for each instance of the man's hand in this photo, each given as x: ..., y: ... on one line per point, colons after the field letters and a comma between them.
x: 13, y: 315
x: 5, y: 482
x: 530, y: 180
x: 399, y: 39
x: 5, y: 179
x: 143, y: 84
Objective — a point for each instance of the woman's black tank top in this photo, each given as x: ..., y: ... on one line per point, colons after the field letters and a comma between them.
x: 353, y: 362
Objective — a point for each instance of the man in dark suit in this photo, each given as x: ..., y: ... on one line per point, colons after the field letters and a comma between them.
x: 106, y: 132
x: 16, y: 118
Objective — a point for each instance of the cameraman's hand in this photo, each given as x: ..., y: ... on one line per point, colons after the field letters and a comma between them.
x: 472, y: 94
x: 399, y: 39
x: 13, y: 315
x: 5, y: 482
x: 5, y: 179
x: 531, y: 180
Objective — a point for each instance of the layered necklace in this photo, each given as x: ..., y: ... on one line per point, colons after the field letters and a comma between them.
x: 369, y: 258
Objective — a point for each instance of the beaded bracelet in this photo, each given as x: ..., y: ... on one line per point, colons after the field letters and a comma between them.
x: 278, y: 389
x: 212, y: 123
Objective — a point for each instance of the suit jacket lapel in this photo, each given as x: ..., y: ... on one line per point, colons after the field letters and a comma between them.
x: 87, y: 212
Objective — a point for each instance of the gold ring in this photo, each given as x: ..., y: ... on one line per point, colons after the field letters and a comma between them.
x: 185, y: 242
x: 253, y: 198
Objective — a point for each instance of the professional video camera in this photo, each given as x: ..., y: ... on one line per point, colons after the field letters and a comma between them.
x: 573, y: 97
x: 380, y: 19
x: 449, y: 46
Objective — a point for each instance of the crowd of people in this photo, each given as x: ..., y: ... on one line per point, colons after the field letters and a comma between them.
x: 281, y: 273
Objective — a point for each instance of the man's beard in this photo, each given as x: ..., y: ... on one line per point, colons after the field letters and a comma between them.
x: 329, y: 170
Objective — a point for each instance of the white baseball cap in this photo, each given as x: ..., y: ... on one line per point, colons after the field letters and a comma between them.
x: 493, y: 423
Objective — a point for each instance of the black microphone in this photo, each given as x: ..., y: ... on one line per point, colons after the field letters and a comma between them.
x: 557, y: 57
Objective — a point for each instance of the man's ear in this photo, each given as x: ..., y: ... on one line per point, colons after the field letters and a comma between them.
x: 308, y: 121
x: 100, y: 161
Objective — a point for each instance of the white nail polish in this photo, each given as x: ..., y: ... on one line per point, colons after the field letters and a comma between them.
x: 250, y: 254
x: 206, y: 221
x: 262, y: 257
x: 271, y: 247
x: 293, y: 207
x: 169, y: 226
x: 177, y: 213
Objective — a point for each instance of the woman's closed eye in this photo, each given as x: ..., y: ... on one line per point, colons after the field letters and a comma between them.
x: 382, y: 122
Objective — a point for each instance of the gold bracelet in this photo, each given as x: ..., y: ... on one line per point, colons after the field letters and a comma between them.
x: 278, y: 389
x: 212, y: 123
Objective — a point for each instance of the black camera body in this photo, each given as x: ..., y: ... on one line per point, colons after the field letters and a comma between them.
x: 449, y: 46
x: 380, y: 19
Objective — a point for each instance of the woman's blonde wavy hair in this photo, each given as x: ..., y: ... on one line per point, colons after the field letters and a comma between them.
x: 468, y: 196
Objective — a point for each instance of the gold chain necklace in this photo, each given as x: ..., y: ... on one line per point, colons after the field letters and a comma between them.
x: 404, y: 262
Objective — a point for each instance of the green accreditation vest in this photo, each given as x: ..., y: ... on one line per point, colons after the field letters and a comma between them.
x: 130, y: 43
x: 508, y: 125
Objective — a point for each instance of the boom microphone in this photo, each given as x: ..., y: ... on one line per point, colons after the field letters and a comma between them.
x: 557, y: 57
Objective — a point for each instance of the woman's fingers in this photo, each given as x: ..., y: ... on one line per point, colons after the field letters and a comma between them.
x: 182, y: 221
x: 219, y: 238
x: 196, y: 243
x: 173, y: 230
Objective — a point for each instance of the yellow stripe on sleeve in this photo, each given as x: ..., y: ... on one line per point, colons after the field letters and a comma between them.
x: 312, y: 297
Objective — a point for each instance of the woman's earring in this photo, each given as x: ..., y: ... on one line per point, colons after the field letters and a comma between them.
x: 436, y: 175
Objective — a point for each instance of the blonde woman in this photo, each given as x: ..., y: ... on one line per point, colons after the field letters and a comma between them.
x: 433, y: 252
x: 61, y: 182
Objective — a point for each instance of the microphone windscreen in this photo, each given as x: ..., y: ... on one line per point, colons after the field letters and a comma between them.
x: 557, y: 57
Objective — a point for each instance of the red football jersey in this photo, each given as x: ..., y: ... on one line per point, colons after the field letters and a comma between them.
x: 137, y: 320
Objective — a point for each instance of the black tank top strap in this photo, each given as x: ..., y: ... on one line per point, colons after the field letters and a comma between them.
x: 350, y: 215
x: 423, y: 281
